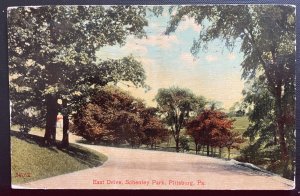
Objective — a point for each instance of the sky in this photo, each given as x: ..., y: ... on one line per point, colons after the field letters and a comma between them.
x: 214, y: 74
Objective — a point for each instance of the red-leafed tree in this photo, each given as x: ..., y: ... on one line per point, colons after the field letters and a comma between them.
x: 111, y: 116
x: 154, y: 130
x: 233, y: 140
x: 213, y: 128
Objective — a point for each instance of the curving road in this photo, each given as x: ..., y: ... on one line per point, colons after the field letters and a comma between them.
x: 143, y: 169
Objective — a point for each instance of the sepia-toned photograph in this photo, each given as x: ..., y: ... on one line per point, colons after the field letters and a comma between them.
x: 189, y: 97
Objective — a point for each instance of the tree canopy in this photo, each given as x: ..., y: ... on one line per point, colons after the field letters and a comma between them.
x: 213, y: 128
x: 154, y: 129
x: 113, y: 116
x: 52, y: 56
x: 266, y: 35
x: 175, y: 105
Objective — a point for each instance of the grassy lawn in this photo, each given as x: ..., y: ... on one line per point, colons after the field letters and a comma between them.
x: 241, y: 124
x: 31, y: 161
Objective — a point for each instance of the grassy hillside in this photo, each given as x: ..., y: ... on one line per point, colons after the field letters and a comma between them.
x: 31, y: 161
x: 241, y: 123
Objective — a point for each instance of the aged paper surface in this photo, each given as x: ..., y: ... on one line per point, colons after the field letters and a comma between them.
x: 152, y: 97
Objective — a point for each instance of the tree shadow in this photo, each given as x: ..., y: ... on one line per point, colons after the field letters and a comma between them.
x: 99, y: 143
x: 82, y: 155
x: 32, y: 139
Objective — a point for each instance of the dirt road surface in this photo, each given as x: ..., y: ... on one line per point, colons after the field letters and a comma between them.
x: 145, y: 169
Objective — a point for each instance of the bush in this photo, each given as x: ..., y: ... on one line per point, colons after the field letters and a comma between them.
x: 184, y: 143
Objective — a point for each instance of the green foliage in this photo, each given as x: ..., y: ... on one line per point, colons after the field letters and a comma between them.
x: 268, y: 26
x: 266, y: 34
x: 264, y: 149
x: 175, y: 105
x: 262, y: 114
x: 236, y: 110
x: 184, y: 143
x: 52, y: 53
x: 105, y: 72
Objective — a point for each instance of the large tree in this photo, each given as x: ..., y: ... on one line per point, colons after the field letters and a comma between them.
x: 52, y: 56
x: 262, y: 132
x: 111, y: 116
x: 175, y: 105
x: 154, y: 129
x: 213, y: 128
x: 267, y: 38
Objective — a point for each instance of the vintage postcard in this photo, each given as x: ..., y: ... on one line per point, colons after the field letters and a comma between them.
x: 152, y: 97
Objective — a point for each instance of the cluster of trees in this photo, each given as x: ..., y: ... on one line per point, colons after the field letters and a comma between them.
x: 266, y: 34
x: 181, y: 110
x: 175, y: 106
x: 264, y: 148
x: 237, y: 110
x: 52, y: 56
x: 113, y: 116
x: 212, y: 128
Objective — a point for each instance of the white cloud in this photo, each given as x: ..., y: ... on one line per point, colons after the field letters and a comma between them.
x: 189, y: 23
x: 134, y: 47
x: 188, y: 59
x: 165, y: 13
x: 155, y: 27
x: 211, y: 58
x: 162, y: 41
x: 231, y: 56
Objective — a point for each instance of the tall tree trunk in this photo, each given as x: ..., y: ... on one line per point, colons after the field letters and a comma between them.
x: 51, y: 115
x: 196, y: 147
x: 281, y: 131
x: 53, y: 132
x: 51, y: 99
x: 207, y: 150
x: 177, y: 144
x: 176, y: 138
x: 283, y: 149
x: 65, y: 139
x: 228, y: 153
x: 220, y: 152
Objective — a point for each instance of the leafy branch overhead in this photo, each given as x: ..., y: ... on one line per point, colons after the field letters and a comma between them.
x: 266, y: 36
x: 52, y: 55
